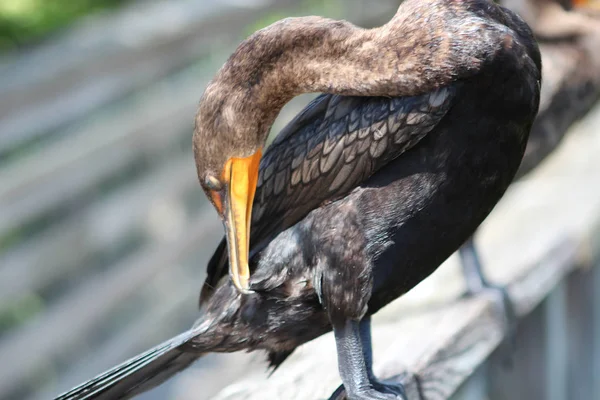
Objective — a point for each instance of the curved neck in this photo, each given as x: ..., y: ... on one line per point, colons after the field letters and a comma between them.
x: 314, y: 54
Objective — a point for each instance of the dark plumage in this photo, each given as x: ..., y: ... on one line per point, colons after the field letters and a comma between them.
x: 568, y: 40
x: 360, y: 198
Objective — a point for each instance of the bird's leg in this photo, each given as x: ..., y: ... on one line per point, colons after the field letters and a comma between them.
x: 367, y: 348
x: 354, y: 362
x: 471, y: 265
x: 478, y: 284
x: 345, y: 283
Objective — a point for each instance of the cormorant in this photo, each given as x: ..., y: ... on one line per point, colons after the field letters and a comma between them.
x: 420, y: 130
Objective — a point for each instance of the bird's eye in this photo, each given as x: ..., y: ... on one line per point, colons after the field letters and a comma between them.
x: 213, y: 183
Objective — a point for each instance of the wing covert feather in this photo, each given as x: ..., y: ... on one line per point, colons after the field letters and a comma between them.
x: 334, y: 145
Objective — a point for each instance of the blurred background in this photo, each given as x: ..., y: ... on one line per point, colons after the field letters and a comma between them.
x: 104, y: 231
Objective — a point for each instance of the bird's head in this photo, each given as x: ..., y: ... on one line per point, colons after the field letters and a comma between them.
x: 227, y: 150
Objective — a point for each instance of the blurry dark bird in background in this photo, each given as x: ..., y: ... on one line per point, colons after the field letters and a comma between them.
x: 566, y: 34
x: 421, y: 129
x: 556, y: 20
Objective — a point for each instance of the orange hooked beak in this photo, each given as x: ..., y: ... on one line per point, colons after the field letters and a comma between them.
x: 240, y: 176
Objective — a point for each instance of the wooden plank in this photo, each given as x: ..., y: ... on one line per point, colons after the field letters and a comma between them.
x: 82, y: 159
x: 157, y: 322
x: 110, y: 57
x: 525, y: 378
x: 475, y: 388
x: 580, y: 322
x: 557, y: 352
x: 42, y: 260
x: 89, y: 303
x: 596, y: 329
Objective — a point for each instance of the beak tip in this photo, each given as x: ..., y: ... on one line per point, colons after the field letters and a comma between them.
x: 243, y: 288
x: 241, y: 283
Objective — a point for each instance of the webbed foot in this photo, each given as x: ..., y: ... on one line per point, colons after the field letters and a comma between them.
x: 355, y: 357
x: 377, y: 391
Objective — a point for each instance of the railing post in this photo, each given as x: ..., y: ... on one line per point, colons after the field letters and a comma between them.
x: 524, y: 378
x: 595, y: 350
x: 476, y: 387
x: 580, y: 326
x: 556, y: 348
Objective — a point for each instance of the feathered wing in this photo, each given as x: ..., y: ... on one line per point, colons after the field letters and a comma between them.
x: 140, y: 373
x: 332, y: 146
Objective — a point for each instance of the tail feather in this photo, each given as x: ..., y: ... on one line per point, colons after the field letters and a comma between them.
x: 140, y: 373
